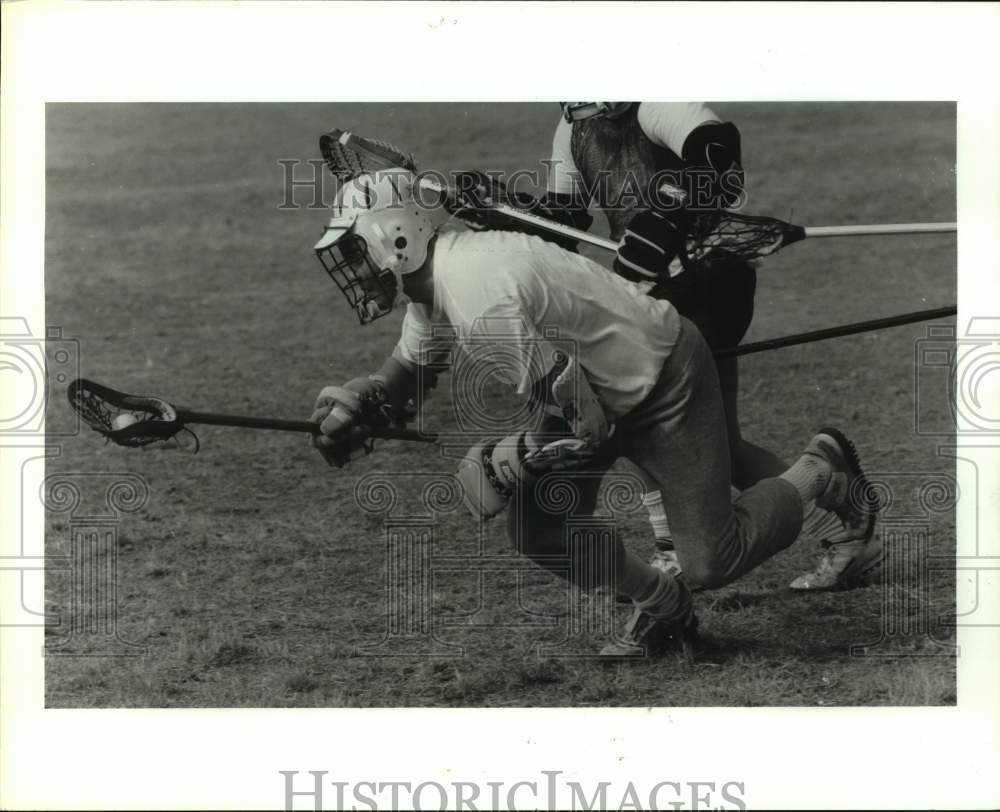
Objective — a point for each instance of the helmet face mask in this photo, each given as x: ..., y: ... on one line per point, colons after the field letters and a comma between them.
x: 369, y: 290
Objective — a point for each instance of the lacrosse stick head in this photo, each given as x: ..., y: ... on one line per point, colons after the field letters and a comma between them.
x: 580, y: 111
x: 127, y: 420
x: 741, y: 235
x: 349, y: 156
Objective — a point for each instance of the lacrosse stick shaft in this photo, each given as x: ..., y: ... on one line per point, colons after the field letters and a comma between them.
x: 811, y: 231
x: 529, y: 219
x: 877, y: 230
x: 303, y: 426
x: 384, y: 155
x: 836, y: 332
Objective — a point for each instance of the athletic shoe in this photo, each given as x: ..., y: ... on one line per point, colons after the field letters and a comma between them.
x: 842, y: 565
x: 646, y: 636
x: 850, y: 552
x: 666, y: 561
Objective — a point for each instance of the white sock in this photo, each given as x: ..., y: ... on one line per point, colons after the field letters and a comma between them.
x: 653, y: 500
x: 809, y: 475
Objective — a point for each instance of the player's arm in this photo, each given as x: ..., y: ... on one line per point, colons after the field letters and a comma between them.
x: 347, y: 414
x: 710, y: 148
x: 391, y: 395
x: 713, y: 178
x: 713, y: 154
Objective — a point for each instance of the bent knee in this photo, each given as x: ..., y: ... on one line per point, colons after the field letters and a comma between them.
x: 706, y: 574
x: 535, y: 541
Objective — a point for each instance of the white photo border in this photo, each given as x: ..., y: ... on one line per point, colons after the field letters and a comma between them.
x: 793, y: 758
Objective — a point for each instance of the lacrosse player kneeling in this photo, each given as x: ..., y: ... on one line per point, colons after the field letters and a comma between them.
x: 641, y: 385
x: 616, y: 155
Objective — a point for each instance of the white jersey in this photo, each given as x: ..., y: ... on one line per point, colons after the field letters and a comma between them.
x: 666, y: 124
x: 523, y: 297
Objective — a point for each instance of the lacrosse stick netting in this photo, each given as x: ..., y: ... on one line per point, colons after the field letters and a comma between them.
x: 128, y: 420
x: 750, y: 237
x: 348, y: 156
x: 138, y: 420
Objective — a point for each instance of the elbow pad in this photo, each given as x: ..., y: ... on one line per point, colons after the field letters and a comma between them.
x: 713, y: 153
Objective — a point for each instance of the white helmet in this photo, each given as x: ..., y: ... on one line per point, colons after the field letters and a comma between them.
x: 379, y: 233
x: 579, y: 111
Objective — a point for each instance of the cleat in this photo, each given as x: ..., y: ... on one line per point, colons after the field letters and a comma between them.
x: 850, y: 553
x: 646, y: 636
x: 843, y: 565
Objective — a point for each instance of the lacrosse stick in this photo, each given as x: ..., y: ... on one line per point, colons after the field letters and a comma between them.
x: 348, y: 155
x: 138, y: 420
x: 836, y: 332
x: 751, y: 237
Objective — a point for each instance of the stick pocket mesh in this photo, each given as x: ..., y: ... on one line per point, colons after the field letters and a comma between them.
x: 127, y: 420
x: 744, y: 235
x: 349, y: 156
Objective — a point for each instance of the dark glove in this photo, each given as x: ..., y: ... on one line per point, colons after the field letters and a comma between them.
x: 714, y: 174
x: 653, y: 239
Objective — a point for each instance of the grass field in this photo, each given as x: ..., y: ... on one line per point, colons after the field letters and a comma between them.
x: 251, y: 577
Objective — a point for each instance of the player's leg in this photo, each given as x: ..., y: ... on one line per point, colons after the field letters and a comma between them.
x: 723, y: 319
x: 678, y: 436
x: 537, y: 527
x: 665, y: 556
x: 750, y: 463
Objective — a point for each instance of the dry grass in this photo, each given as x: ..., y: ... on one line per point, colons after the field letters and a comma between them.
x: 251, y: 577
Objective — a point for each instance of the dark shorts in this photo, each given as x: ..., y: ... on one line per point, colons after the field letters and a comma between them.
x: 717, y: 295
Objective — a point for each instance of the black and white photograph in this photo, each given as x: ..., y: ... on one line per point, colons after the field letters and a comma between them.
x: 515, y: 416
x: 579, y: 476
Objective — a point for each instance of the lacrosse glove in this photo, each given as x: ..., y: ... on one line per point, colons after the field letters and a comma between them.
x: 340, y: 411
x: 653, y: 239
